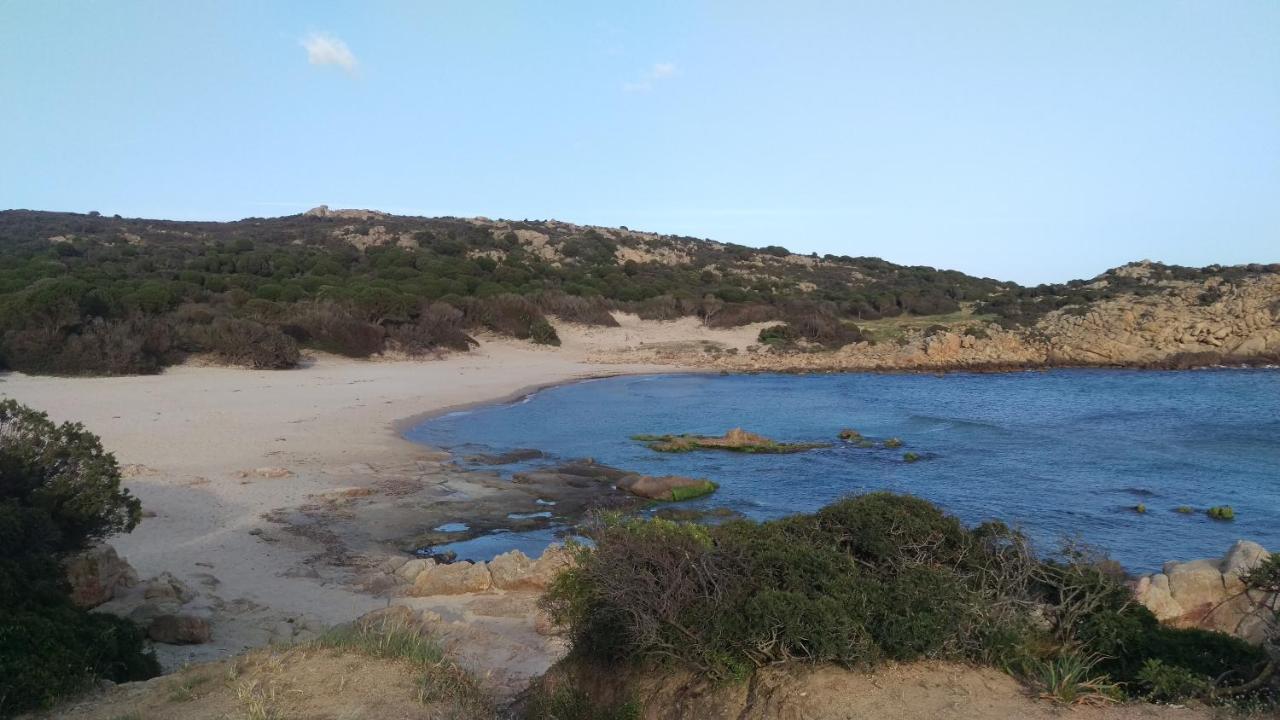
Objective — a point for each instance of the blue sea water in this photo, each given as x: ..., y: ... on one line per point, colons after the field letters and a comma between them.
x: 1065, y: 453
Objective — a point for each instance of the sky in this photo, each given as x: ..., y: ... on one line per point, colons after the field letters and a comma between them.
x: 1030, y: 141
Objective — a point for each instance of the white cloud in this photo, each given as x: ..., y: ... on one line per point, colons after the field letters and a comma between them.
x: 325, y: 49
x: 656, y: 73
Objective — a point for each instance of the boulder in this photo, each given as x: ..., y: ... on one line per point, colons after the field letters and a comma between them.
x: 1153, y: 592
x: 179, y: 629
x: 666, y: 487
x: 455, y: 579
x: 167, y: 588
x: 1210, y: 594
x: 1244, y: 556
x: 512, y: 571
x: 412, y: 569
x: 1196, y: 585
x: 96, y: 574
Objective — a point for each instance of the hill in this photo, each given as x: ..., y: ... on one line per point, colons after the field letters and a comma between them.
x: 89, y: 294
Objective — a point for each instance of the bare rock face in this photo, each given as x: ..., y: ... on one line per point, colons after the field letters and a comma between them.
x: 410, y: 571
x: 511, y: 571
x: 453, y: 579
x: 179, y: 629
x: 1209, y: 594
x: 96, y: 575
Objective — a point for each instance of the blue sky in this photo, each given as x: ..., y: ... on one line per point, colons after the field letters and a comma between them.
x: 1034, y: 141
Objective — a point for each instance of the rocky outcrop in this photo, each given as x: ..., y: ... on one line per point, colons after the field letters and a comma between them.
x: 1210, y: 594
x: 666, y: 487
x: 97, y: 574
x: 1171, y: 323
x: 513, y: 570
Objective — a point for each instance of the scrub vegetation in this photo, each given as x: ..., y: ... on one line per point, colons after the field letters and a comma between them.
x: 879, y: 578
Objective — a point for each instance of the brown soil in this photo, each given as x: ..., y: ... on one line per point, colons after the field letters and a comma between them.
x: 933, y: 690
x: 292, y: 683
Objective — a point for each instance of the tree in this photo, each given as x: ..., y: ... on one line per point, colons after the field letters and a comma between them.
x: 59, y: 491
x: 61, y: 474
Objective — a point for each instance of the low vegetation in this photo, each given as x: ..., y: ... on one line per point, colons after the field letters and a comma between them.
x: 59, y: 492
x: 876, y: 578
x: 1221, y: 512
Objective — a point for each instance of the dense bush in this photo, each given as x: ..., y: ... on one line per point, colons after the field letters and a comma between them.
x: 439, y: 326
x: 59, y: 492
x: 880, y: 577
x: 245, y: 342
x: 868, y: 579
x: 512, y: 315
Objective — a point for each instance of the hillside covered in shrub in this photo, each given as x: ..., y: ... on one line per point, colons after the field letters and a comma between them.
x: 89, y: 294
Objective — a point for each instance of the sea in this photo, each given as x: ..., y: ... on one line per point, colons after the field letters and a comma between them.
x: 1127, y: 461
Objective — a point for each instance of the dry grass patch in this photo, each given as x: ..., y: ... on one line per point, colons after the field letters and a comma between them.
x: 386, y: 670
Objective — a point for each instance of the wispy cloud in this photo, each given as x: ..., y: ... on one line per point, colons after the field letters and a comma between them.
x: 655, y: 74
x: 325, y: 49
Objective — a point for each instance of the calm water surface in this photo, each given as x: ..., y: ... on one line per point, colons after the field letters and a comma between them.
x: 1062, y: 453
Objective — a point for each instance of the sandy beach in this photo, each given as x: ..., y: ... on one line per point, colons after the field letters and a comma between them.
x: 221, y: 457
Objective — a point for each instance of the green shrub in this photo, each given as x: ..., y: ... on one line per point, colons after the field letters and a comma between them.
x: 1222, y: 512
x: 867, y: 579
x: 893, y: 442
x: 1070, y: 677
x: 1170, y: 683
x: 1140, y: 508
x: 910, y: 457
x: 245, y: 342
x: 59, y: 492
x: 875, y: 578
x: 692, y: 492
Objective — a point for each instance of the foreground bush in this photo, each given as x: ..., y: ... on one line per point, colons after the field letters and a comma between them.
x: 59, y: 492
x: 870, y: 579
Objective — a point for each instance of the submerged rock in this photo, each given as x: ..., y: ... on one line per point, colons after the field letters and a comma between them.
x: 736, y: 440
x: 506, y: 458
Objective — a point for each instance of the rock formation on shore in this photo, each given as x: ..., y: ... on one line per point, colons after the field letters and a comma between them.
x: 1210, y: 594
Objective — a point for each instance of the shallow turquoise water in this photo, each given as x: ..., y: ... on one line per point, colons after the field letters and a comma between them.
x: 1061, y: 453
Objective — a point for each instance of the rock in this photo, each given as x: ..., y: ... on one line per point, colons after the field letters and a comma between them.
x: 95, y: 575
x: 506, y: 458
x: 1153, y: 591
x: 511, y: 571
x: 667, y: 487
x: 166, y: 587
x: 179, y: 629
x: 455, y: 579
x: 553, y: 561
x: 410, y: 570
x: 1210, y: 594
x: 145, y: 613
x: 1244, y: 556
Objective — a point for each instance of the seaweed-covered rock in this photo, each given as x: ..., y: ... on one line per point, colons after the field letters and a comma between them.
x: 667, y: 487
